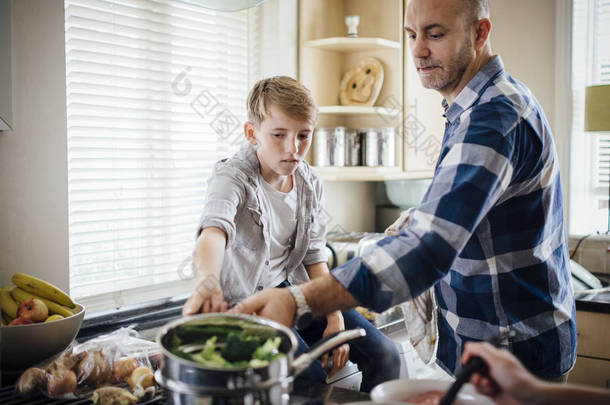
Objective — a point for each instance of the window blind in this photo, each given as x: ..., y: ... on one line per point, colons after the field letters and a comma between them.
x: 590, y: 160
x: 156, y: 94
x: 601, y: 75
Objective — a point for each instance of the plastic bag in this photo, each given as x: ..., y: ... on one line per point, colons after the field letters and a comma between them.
x: 120, y: 359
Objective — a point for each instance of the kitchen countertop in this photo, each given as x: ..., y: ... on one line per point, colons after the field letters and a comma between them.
x: 593, y: 301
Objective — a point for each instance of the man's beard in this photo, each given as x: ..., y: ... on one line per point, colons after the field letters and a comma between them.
x: 448, y: 74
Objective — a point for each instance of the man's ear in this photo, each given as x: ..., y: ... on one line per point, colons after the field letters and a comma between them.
x: 249, y: 133
x: 482, y: 28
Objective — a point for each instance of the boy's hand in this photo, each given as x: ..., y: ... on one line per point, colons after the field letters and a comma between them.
x: 207, y: 297
x: 335, y: 323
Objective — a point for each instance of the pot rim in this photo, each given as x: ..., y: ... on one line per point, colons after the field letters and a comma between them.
x: 251, y: 318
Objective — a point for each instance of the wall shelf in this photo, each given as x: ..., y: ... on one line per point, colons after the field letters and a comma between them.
x: 345, y: 44
x: 356, y: 110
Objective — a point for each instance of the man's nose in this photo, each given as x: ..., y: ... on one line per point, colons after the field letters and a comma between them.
x: 419, y: 48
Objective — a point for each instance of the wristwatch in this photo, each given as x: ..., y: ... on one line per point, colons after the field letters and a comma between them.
x: 303, y: 315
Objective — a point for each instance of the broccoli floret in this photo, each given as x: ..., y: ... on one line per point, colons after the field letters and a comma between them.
x: 208, y: 356
x: 268, y: 350
x: 240, y: 348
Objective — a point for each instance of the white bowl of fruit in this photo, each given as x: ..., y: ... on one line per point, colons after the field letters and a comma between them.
x: 38, y: 321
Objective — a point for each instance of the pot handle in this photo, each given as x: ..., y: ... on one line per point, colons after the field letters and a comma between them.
x: 325, y: 345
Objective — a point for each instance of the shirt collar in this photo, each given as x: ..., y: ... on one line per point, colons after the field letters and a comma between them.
x: 471, y: 92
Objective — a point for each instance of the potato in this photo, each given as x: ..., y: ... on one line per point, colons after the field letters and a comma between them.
x: 141, y: 377
x: 94, y: 369
x: 61, y: 382
x: 113, y: 396
x: 123, y: 368
x: 32, y: 381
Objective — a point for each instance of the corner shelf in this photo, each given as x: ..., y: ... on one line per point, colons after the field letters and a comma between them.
x: 345, y: 44
x: 356, y: 110
x: 360, y: 173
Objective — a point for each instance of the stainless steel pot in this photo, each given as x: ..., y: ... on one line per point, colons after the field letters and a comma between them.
x: 192, y: 383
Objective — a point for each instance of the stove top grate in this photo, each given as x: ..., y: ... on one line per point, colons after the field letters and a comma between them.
x: 9, y: 396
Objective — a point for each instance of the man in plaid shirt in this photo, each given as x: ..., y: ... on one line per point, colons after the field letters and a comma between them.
x: 489, y: 233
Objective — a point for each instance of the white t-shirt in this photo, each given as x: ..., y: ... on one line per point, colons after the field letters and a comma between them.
x: 282, y: 209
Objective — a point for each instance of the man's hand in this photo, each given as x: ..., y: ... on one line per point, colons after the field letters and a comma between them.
x: 335, y: 324
x: 276, y: 304
x: 207, y: 297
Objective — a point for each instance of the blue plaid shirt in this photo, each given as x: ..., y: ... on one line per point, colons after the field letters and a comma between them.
x: 488, y: 235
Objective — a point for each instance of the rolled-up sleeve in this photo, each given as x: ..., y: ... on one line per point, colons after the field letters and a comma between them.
x: 223, y: 196
x: 316, y: 251
x: 469, y: 180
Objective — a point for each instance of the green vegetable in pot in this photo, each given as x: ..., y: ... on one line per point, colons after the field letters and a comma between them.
x: 240, y: 348
x: 269, y: 350
x: 208, y: 356
x: 233, y: 344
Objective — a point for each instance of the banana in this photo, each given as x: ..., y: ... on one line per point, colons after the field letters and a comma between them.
x: 5, y: 319
x: 9, y: 306
x: 41, y: 288
x: 54, y: 308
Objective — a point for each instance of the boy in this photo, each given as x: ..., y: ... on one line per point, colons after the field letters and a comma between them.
x: 262, y: 227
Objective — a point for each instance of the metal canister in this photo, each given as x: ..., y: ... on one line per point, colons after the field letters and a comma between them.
x: 387, y: 147
x: 353, y: 148
x: 320, y: 147
x: 371, y: 146
x: 329, y: 146
x: 336, y: 147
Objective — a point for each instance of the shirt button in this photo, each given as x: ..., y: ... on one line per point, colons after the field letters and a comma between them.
x: 266, y: 262
x: 259, y: 288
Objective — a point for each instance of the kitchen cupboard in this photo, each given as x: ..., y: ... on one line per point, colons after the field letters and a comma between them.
x: 593, y: 353
x: 326, y: 54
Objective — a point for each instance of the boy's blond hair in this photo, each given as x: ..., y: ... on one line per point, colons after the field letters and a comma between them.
x: 288, y: 94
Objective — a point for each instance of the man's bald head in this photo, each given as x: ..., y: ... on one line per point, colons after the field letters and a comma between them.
x: 474, y: 10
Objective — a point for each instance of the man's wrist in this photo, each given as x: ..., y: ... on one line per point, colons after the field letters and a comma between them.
x: 303, y: 315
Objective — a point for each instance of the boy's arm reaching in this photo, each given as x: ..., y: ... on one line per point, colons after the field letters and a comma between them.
x: 334, y: 323
x: 207, y: 262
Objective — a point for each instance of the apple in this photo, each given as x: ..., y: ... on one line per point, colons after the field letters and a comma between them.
x: 20, y: 321
x: 33, y: 310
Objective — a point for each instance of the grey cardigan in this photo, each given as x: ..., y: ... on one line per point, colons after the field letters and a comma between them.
x: 233, y: 204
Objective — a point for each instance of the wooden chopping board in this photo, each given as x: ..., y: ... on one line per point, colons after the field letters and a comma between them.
x: 361, y: 85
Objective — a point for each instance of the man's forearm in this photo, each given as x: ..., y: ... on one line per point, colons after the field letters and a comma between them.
x: 325, y: 294
x: 318, y: 270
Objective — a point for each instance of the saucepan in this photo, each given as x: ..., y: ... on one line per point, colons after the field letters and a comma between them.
x: 189, y: 382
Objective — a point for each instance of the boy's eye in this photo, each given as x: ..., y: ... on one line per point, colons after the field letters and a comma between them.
x: 411, y: 36
x: 278, y: 135
x: 303, y: 136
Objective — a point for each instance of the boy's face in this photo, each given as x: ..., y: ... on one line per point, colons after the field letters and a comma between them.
x: 281, y: 141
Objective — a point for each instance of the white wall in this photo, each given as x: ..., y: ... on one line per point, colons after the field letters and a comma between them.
x: 523, y: 33
x: 33, y: 169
